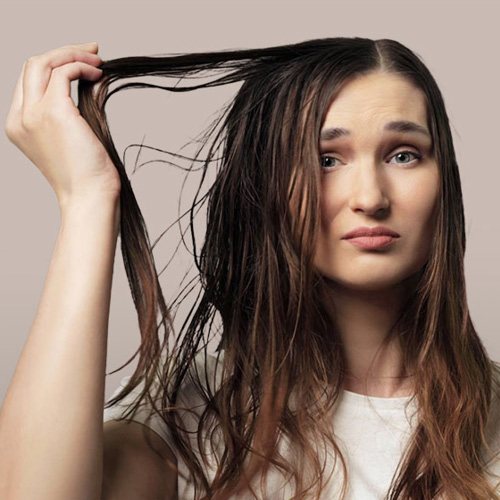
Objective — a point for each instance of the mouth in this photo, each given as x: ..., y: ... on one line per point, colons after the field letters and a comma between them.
x: 372, y: 242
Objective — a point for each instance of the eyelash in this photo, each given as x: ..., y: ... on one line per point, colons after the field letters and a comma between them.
x: 418, y: 156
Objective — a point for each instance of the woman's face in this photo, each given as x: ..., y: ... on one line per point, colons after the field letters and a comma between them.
x: 372, y: 176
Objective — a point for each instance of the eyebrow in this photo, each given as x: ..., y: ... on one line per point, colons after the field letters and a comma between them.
x: 404, y: 126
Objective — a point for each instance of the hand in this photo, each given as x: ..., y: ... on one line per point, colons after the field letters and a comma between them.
x: 45, y: 124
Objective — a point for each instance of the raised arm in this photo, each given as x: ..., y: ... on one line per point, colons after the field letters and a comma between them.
x: 51, y: 420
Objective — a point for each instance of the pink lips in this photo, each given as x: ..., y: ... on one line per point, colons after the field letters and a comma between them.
x: 371, y: 237
x: 371, y: 231
x: 372, y: 241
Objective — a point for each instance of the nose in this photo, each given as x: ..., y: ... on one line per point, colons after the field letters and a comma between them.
x: 369, y: 191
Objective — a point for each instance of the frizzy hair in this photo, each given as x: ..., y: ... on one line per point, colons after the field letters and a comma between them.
x: 283, y: 366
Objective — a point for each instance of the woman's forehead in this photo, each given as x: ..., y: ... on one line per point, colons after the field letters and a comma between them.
x: 387, y: 103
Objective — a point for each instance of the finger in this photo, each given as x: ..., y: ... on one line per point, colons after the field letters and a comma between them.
x: 91, y: 47
x: 38, y: 69
x: 60, y: 80
x: 17, y: 98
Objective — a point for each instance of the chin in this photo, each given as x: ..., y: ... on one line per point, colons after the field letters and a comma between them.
x: 364, y: 283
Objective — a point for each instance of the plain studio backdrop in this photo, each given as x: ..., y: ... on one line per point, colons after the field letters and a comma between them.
x: 458, y: 40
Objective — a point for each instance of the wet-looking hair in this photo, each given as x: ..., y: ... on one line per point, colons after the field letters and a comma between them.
x: 283, y: 366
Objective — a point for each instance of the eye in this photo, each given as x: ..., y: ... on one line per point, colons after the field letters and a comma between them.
x: 328, y: 157
x: 405, y: 153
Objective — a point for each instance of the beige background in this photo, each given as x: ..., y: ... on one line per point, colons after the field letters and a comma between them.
x: 458, y: 40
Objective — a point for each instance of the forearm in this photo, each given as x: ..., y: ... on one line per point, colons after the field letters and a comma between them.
x: 51, y: 421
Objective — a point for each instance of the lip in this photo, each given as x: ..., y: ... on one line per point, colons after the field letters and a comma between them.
x: 372, y: 241
x: 370, y: 232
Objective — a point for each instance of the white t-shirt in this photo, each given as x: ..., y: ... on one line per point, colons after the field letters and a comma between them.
x: 371, y: 431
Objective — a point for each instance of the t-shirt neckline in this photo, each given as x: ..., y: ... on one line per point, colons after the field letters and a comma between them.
x: 353, y: 399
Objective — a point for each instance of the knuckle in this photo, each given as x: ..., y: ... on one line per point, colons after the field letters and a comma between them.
x: 30, y: 120
x: 33, y: 60
x: 57, y: 71
x: 10, y: 130
x: 61, y: 71
x: 14, y: 129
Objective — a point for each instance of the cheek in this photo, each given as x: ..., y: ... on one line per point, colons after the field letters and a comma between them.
x: 331, y: 200
x: 420, y: 201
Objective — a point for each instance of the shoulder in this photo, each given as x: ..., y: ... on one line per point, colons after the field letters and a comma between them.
x: 201, y: 381
x: 135, y: 466
x: 205, y: 368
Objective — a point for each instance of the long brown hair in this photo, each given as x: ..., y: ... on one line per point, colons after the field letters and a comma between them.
x: 256, y: 271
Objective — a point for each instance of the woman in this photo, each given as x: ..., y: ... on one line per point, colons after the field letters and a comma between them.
x: 347, y: 364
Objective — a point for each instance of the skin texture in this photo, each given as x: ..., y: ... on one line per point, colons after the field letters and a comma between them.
x: 370, y: 185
